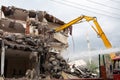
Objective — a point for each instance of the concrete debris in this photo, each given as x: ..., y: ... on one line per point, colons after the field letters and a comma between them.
x: 28, y: 31
x: 60, y: 37
x: 85, y: 73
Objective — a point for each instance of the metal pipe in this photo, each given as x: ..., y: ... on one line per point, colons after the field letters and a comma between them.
x: 99, y: 67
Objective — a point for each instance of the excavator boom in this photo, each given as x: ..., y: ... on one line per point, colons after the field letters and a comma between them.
x: 68, y: 24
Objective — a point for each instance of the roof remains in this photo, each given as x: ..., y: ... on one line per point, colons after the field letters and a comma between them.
x: 40, y: 23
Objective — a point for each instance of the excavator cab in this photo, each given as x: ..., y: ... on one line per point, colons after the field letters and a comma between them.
x: 116, y: 68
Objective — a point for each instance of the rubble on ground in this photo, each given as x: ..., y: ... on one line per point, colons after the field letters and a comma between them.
x: 28, y: 31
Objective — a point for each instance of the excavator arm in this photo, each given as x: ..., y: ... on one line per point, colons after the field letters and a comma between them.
x: 98, y: 30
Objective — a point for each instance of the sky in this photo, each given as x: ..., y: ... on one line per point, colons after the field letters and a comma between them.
x: 106, y: 11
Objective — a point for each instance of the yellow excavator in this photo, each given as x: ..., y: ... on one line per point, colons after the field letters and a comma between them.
x: 100, y: 33
x: 98, y: 30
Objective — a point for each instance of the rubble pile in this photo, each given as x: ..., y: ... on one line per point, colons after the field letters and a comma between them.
x: 28, y: 31
x: 55, y: 65
x: 83, y: 72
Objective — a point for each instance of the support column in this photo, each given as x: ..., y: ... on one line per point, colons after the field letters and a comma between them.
x: 2, y: 58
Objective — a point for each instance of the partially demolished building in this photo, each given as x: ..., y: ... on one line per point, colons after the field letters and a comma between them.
x: 27, y: 46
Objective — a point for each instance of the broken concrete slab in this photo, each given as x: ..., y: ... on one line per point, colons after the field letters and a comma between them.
x: 60, y: 37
